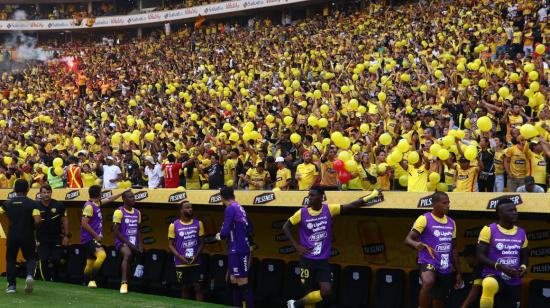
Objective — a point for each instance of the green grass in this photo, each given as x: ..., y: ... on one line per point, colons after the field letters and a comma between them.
x: 52, y: 294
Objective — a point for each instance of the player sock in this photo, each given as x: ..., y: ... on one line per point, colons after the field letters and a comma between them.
x: 490, y: 288
x: 246, y: 296
x: 237, y: 299
x: 89, y: 267
x: 99, y: 258
x: 313, y: 297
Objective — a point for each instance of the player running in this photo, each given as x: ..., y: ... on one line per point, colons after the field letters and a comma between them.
x: 433, y: 235
x: 502, y: 250
x: 91, y: 233
x: 185, y: 241
x: 315, y: 223
x: 126, y: 223
x: 236, y: 229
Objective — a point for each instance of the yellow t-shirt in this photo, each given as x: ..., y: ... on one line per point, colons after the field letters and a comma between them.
x: 537, y: 166
x: 485, y: 234
x: 308, y: 173
x: 466, y: 179
x: 172, y: 235
x: 283, y: 175
x: 449, y: 175
x: 257, y: 179
x: 498, y: 162
x: 297, y: 217
x: 518, y: 162
x: 229, y: 166
x: 88, y: 179
x: 418, y: 179
x: 421, y: 222
x: 117, y: 215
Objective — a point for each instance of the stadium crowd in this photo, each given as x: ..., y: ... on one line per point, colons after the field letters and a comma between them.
x: 422, y: 97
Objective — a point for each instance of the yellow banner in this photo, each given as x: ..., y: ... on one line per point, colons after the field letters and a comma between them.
x: 529, y: 203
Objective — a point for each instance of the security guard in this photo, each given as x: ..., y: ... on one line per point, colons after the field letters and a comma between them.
x: 52, y: 234
x: 23, y: 217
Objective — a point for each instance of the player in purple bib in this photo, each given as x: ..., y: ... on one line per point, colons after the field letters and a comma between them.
x: 433, y: 235
x: 126, y: 222
x: 315, y: 223
x: 236, y: 230
x: 502, y: 251
x: 91, y: 233
x: 185, y: 241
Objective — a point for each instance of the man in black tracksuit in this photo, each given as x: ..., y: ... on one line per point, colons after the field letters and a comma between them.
x: 52, y: 234
x: 24, y: 217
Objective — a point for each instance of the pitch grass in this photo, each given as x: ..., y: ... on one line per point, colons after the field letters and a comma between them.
x: 52, y: 294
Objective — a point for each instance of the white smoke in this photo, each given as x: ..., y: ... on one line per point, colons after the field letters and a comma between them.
x: 24, y: 45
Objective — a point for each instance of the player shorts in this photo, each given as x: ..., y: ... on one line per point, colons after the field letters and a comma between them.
x: 189, y: 274
x: 508, y: 296
x: 237, y: 264
x: 312, y: 272
x: 90, y: 247
x: 443, y: 282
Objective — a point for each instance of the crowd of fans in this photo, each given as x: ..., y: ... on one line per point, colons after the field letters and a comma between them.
x: 449, y: 95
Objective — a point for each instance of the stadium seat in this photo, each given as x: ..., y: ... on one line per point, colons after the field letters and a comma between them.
x: 219, y: 291
x: 110, y: 273
x: 76, y: 261
x: 355, y: 286
x: 388, y: 290
x: 414, y: 288
x: 336, y: 272
x: 153, y: 263
x: 539, y: 293
x: 269, y: 283
x: 292, y: 285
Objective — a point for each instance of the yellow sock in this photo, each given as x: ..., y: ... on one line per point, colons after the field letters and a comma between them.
x: 99, y: 258
x: 313, y: 297
x: 490, y: 288
x: 89, y: 266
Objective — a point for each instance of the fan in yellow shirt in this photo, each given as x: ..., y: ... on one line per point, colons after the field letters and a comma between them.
x: 257, y: 178
x: 306, y: 173
x: 284, y: 175
x: 466, y: 175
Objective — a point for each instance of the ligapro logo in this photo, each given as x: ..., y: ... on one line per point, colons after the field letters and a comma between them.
x: 500, y: 246
x: 437, y: 233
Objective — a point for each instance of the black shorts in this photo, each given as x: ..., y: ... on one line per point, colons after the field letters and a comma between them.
x: 50, y: 250
x: 189, y: 274
x: 443, y: 282
x: 507, y: 296
x: 91, y: 247
x: 312, y: 272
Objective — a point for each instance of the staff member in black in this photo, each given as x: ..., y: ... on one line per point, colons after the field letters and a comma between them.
x: 24, y: 217
x: 52, y: 234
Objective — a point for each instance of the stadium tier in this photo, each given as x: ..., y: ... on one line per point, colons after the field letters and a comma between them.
x: 122, y: 136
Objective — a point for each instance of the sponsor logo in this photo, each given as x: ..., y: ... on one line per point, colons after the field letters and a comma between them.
x: 493, y: 202
x: 177, y: 197
x: 141, y: 195
x: 264, y: 198
x: 541, y: 268
x: 538, y: 235
x: 149, y: 240
x: 117, y: 21
x: 508, y: 261
x: 106, y: 194
x: 190, y: 11
x: 374, y: 249
x: 472, y: 233
x: 500, y: 246
x: 217, y: 198
x: 232, y: 5
x: 281, y: 237
x: 154, y: 16
x: 540, y: 251
x: 425, y: 202
x: 72, y: 195
x: 316, y: 237
x: 376, y: 200
x: 286, y: 250
x: 12, y: 195
x: 145, y: 229
x: 444, y: 247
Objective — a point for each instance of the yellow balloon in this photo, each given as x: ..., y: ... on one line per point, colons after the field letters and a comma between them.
x: 344, y: 156
x: 482, y: 83
x: 90, y: 139
x: 434, y: 178
x: 322, y: 123
x: 324, y: 109
x: 471, y: 152
x: 403, y: 146
x: 404, y: 180
x: 150, y: 136
x: 534, y: 86
x: 8, y: 160
x: 485, y: 124
x: 528, y: 131
x: 533, y: 75
x: 434, y: 149
x: 57, y: 162
x: 295, y: 138
x: 364, y: 128
x: 312, y: 120
x: 234, y: 137
x: 503, y: 92
x: 58, y: 171
x: 288, y: 120
x: 413, y: 158
x: 158, y: 127
x: 351, y: 165
x: 385, y: 139
x: 382, y: 96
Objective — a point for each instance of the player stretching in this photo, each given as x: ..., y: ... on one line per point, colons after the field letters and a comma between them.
x: 91, y: 233
x: 315, y: 223
x: 433, y: 235
x: 126, y: 222
x: 185, y: 241
x: 502, y: 250
x: 236, y: 230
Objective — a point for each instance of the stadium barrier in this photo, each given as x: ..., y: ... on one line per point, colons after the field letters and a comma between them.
x: 156, y: 17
